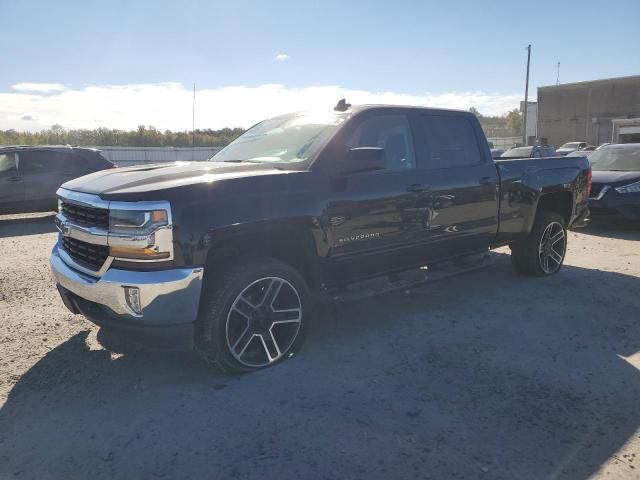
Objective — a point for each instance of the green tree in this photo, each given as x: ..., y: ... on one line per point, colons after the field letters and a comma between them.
x: 143, y: 136
x: 475, y: 111
x: 514, y: 121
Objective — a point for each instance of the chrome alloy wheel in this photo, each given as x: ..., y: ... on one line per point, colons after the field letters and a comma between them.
x: 263, y: 322
x: 552, y: 248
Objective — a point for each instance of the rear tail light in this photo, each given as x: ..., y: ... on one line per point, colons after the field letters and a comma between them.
x: 589, y: 177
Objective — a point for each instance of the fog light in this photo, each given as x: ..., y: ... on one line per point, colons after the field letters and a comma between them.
x: 132, y: 295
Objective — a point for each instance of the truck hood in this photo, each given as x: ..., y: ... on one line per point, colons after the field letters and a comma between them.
x: 614, y: 178
x: 161, y: 176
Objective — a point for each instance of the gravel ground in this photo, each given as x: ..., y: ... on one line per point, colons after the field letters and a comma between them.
x: 486, y: 375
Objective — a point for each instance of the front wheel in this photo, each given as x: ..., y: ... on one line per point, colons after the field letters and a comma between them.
x: 542, y: 252
x: 254, y: 315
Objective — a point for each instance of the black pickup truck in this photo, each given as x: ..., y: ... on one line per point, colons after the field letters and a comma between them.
x: 223, y: 256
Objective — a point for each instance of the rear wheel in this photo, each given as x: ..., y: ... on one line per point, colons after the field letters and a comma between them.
x: 254, y: 315
x: 542, y: 252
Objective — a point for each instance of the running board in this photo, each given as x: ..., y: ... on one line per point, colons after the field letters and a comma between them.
x: 410, y: 278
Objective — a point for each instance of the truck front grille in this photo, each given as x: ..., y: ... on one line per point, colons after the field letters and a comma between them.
x: 86, y: 254
x: 86, y: 216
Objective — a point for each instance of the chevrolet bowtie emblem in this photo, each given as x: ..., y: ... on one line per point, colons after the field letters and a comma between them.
x: 65, y: 228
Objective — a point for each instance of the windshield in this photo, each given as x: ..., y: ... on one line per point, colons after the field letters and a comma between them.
x: 517, y: 152
x: 625, y: 159
x: 285, y: 139
x: 571, y: 145
x: 580, y: 153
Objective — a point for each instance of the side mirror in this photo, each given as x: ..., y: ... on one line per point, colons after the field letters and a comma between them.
x: 363, y: 159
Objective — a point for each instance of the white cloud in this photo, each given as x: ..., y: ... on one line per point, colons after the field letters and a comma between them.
x: 281, y: 57
x: 38, y: 87
x: 168, y: 105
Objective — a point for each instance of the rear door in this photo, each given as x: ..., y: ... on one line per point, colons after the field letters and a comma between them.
x: 459, y: 198
x: 42, y: 173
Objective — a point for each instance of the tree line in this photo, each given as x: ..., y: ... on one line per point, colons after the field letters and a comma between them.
x: 507, y: 125
x: 142, y: 137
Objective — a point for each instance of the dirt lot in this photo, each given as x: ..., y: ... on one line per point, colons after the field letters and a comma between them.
x: 487, y: 375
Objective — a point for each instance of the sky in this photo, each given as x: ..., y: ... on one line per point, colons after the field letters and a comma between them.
x: 120, y: 64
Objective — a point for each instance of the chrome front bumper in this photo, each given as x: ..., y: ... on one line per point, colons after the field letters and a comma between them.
x: 167, y: 297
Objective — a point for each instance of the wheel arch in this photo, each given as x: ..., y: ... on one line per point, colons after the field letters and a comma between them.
x: 291, y: 243
x: 561, y: 202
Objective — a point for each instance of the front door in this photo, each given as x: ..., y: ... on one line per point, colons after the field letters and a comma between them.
x: 371, y: 218
x: 11, y: 191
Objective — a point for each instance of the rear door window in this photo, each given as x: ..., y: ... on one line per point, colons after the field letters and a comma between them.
x: 447, y: 141
x: 77, y: 163
x: 50, y: 161
x: 7, y: 163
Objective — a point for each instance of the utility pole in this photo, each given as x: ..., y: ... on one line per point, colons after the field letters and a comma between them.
x: 558, y: 76
x: 525, y: 140
x: 193, y: 119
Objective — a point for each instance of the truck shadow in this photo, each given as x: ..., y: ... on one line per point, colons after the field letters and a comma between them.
x: 619, y: 230
x: 488, y: 374
x: 19, y: 225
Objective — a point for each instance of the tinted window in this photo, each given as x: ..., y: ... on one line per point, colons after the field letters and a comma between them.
x: 390, y: 132
x: 8, y: 163
x: 447, y: 141
x: 98, y: 160
x: 518, y: 152
x: 50, y: 161
x: 77, y: 162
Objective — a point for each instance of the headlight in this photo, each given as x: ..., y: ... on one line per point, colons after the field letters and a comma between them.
x: 136, y: 221
x: 631, y: 188
x: 140, y: 234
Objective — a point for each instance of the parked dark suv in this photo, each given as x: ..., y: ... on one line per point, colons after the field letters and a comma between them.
x: 30, y: 176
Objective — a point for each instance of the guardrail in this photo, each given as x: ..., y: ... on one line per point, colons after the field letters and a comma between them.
x: 125, y: 156
x: 505, y: 143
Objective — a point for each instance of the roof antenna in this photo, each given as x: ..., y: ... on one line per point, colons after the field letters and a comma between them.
x: 342, y: 106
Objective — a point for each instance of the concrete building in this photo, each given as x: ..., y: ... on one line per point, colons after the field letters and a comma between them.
x: 595, y: 112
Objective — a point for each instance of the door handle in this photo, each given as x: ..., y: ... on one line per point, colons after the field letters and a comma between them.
x: 14, y: 179
x: 486, y: 181
x: 417, y: 188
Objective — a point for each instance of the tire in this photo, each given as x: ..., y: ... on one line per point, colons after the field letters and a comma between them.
x: 539, y: 255
x: 253, y: 315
